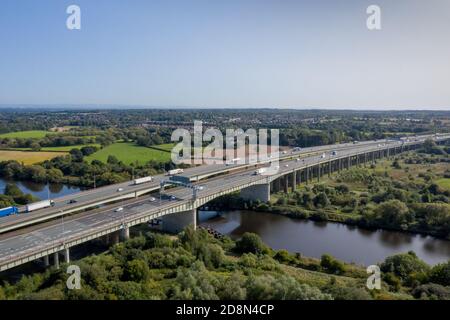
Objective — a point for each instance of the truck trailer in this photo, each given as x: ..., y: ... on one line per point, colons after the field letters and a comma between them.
x: 8, y: 211
x: 142, y: 180
x: 39, y: 205
x: 175, y: 171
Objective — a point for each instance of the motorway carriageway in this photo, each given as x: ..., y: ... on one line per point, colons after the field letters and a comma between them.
x: 62, y: 207
x: 54, y: 231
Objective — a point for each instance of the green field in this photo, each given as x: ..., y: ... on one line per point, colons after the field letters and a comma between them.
x: 444, y: 183
x: 28, y: 157
x: 129, y: 152
x: 68, y: 148
x: 164, y: 147
x: 56, y: 149
x: 26, y: 134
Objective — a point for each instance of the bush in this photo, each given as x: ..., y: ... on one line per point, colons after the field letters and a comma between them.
x: 440, y: 274
x: 432, y: 291
x: 251, y: 243
x: 332, y: 265
x: 404, y: 265
x: 283, y: 256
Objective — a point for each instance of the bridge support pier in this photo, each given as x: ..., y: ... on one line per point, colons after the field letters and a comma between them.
x: 66, y: 255
x: 114, y: 238
x: 176, y: 222
x: 56, y: 260
x: 125, y: 233
x: 294, y: 181
x: 259, y: 192
x: 46, y: 261
x: 286, y: 184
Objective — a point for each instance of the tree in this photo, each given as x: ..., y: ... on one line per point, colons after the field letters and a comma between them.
x: 432, y: 291
x: 231, y: 288
x: 137, y: 270
x: 77, y: 155
x: 393, y: 213
x: 35, y: 146
x: 330, y: 264
x: 250, y: 243
x: 321, y: 200
x: 440, y: 274
x: 12, y: 190
x: 404, y: 265
x: 55, y: 175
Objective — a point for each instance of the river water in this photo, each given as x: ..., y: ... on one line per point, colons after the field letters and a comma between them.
x: 41, y: 190
x: 347, y: 243
x: 310, y: 238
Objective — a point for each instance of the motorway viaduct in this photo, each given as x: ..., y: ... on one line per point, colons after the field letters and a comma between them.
x: 54, y: 239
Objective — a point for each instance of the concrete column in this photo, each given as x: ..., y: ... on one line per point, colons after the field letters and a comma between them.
x: 294, y: 181
x: 46, y: 261
x: 286, y: 184
x: 125, y: 233
x: 318, y: 171
x: 349, y: 159
x: 259, y: 192
x: 307, y: 175
x: 278, y: 184
x: 56, y: 259
x: 176, y: 222
x: 66, y: 255
x: 329, y: 168
x: 114, y: 237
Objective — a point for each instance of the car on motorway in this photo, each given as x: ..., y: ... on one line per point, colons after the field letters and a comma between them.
x: 118, y: 209
x: 72, y: 201
x: 334, y: 153
x: 172, y: 198
x: 152, y: 199
x: 323, y: 155
x: 200, y: 187
x: 120, y: 189
x: 286, y: 165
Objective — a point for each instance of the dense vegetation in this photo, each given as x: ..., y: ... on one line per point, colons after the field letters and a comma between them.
x: 407, y: 194
x: 194, y: 265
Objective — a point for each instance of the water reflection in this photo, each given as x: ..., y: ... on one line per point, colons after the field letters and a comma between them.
x: 41, y: 190
x: 313, y: 239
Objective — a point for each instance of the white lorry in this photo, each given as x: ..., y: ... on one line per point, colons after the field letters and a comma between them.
x: 39, y: 205
x: 142, y: 180
x: 260, y: 171
x: 175, y: 171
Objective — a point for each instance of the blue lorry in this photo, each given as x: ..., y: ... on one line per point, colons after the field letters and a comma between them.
x: 8, y: 211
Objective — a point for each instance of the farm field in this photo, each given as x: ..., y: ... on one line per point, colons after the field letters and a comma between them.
x: 129, y: 152
x: 444, y: 183
x: 56, y: 149
x: 68, y: 148
x: 164, y: 147
x: 26, y: 134
x: 28, y: 157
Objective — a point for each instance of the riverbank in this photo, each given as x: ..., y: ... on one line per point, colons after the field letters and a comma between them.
x: 315, y: 238
x: 347, y: 219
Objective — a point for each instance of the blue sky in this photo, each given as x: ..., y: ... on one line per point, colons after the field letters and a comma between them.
x: 227, y: 53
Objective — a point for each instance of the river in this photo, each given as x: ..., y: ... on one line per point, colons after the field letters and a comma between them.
x: 41, y: 190
x: 347, y: 243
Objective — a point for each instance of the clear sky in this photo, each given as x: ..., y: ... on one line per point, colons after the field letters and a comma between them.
x: 227, y: 53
